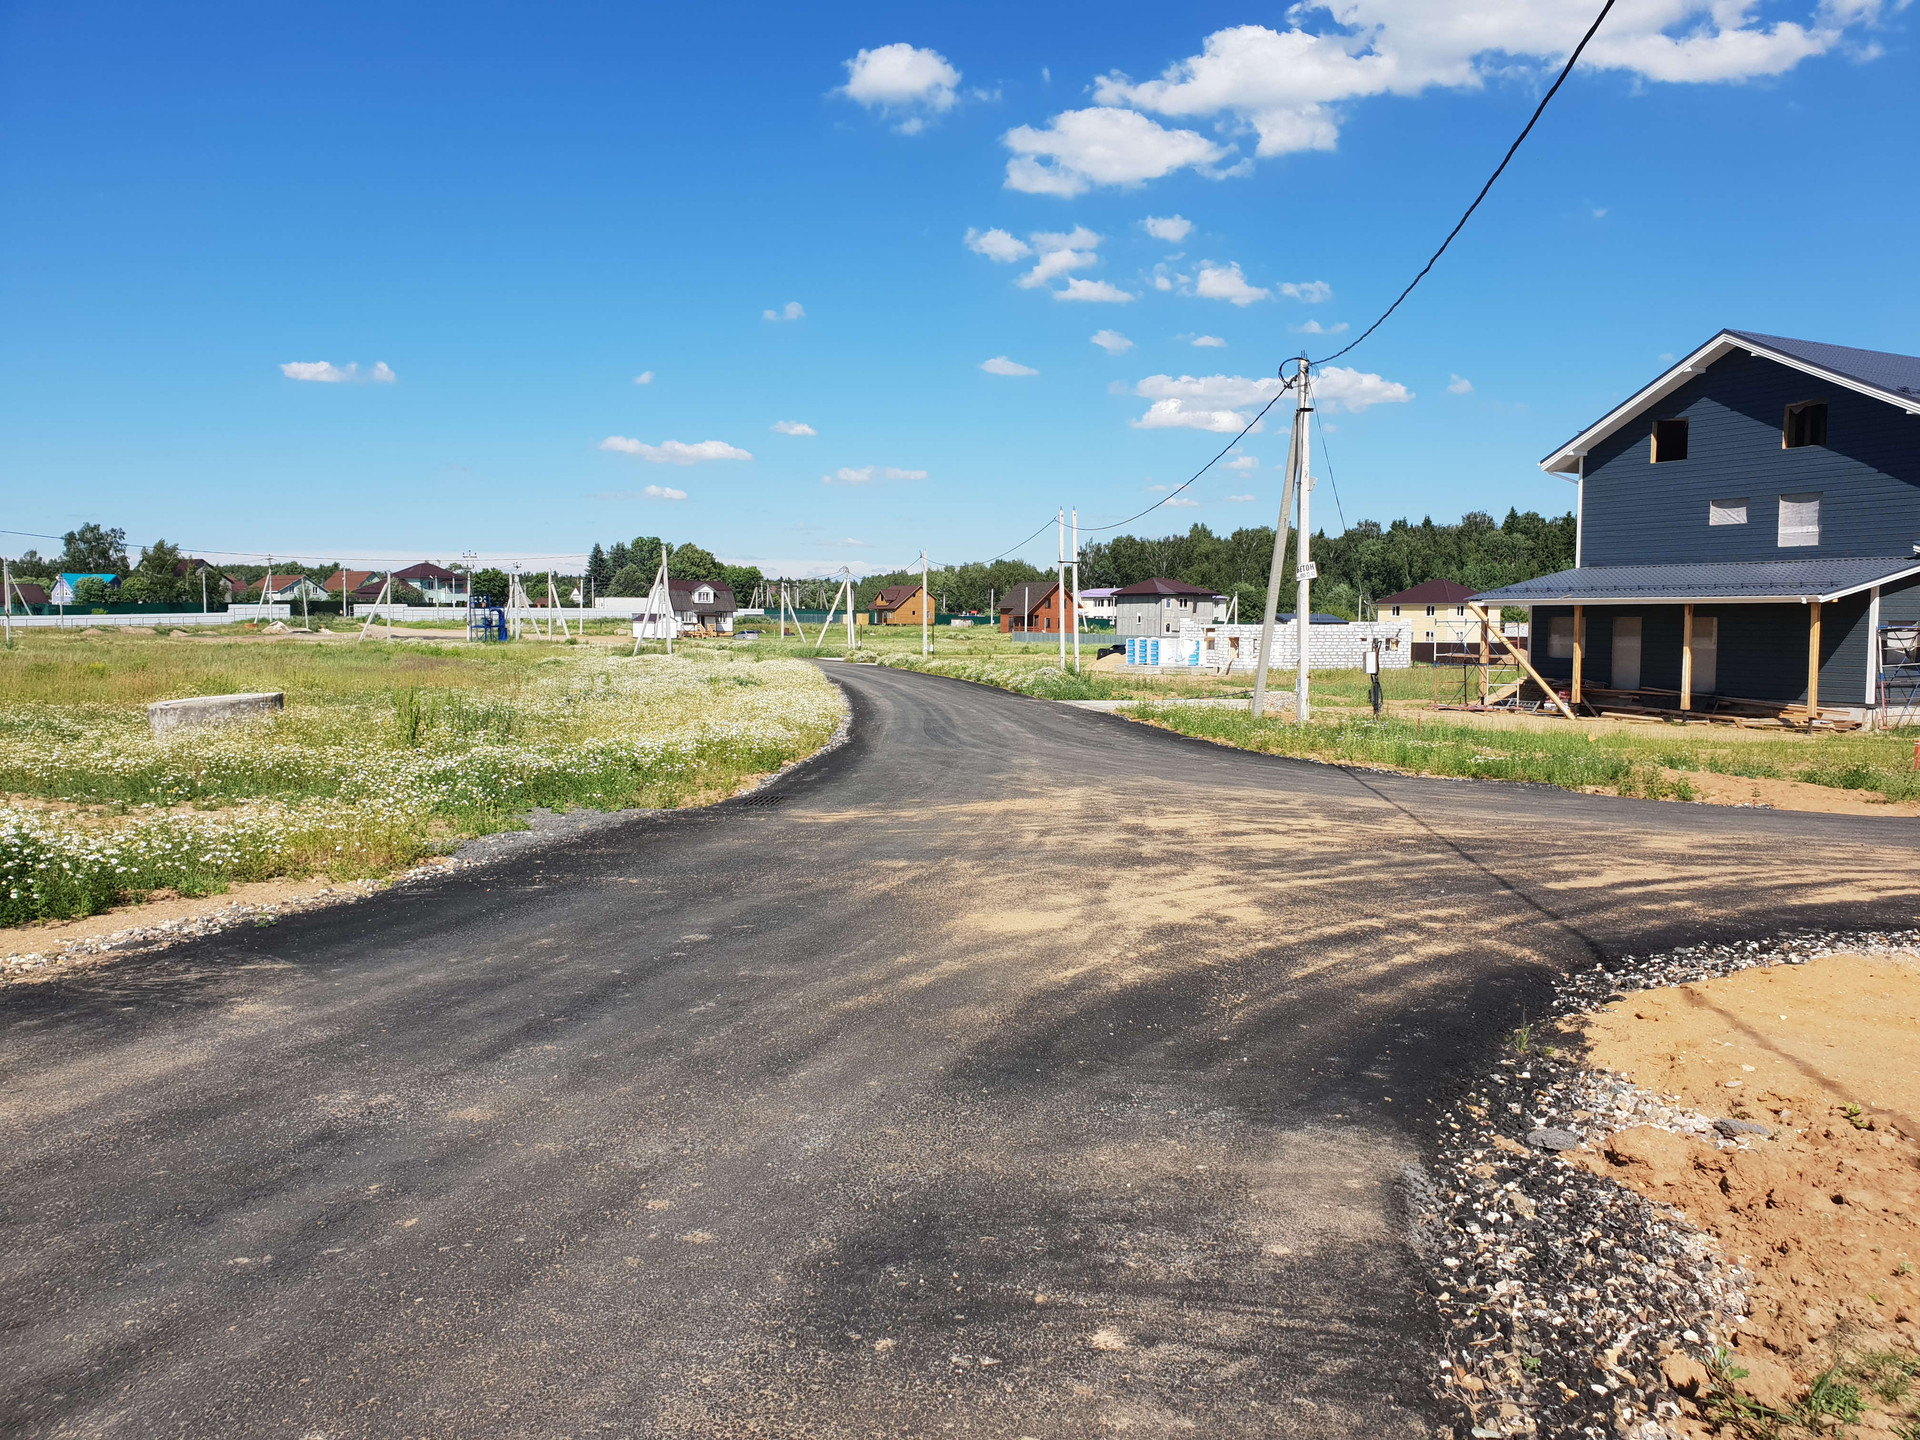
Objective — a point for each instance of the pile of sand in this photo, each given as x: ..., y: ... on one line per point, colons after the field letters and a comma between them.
x: 1823, y: 1213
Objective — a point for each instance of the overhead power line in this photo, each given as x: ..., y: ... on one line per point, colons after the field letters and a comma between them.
x: 1285, y: 386
x: 1539, y: 110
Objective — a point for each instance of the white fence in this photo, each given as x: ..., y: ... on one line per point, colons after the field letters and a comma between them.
x: 180, y: 620
x: 1329, y: 647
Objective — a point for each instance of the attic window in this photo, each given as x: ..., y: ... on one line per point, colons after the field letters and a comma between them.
x: 1800, y: 519
x: 1669, y: 441
x: 1806, y: 424
x: 1727, y: 512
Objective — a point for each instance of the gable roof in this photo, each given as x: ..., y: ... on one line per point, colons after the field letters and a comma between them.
x: 894, y: 596
x: 1429, y: 592
x: 1727, y: 580
x: 1160, y: 585
x: 1875, y: 373
x: 681, y: 592
x: 426, y: 570
x: 29, y: 592
x: 1028, y: 596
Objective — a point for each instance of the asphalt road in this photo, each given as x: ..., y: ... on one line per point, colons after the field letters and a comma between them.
x: 1020, y: 1072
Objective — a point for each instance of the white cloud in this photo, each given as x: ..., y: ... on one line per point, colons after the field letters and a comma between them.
x: 792, y: 310
x: 1054, y: 263
x: 898, y: 78
x: 1459, y: 385
x: 675, y: 452
x: 1079, y: 149
x: 1208, y: 342
x: 866, y: 474
x: 1224, y: 404
x: 1311, y: 292
x: 1181, y: 502
x: 645, y: 377
x: 1288, y: 87
x: 1170, y: 228
x: 663, y: 492
x: 997, y: 245
x: 1001, y: 365
x: 317, y: 370
x: 1240, y: 500
x: 322, y: 373
x: 1245, y: 464
x: 1225, y: 282
x: 1096, y: 290
x: 1314, y: 327
x: 1112, y: 341
x: 793, y: 427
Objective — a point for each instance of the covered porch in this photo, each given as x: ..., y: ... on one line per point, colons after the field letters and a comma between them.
x: 1793, y: 642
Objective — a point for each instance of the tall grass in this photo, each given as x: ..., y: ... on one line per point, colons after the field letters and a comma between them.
x: 379, y: 757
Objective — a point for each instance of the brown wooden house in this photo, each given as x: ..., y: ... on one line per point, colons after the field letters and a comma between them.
x: 900, y: 605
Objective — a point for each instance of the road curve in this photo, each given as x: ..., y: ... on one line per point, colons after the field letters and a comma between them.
x: 1016, y: 1072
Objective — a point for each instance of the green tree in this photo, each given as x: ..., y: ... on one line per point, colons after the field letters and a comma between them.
x: 490, y: 582
x: 631, y: 580
x: 156, y: 579
x: 690, y: 562
x: 92, y: 592
x: 599, y: 569
x: 92, y: 550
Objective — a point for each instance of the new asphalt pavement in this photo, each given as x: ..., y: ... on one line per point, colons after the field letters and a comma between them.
x: 1009, y: 1071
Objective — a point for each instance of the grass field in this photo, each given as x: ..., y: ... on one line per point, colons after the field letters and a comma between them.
x: 383, y: 754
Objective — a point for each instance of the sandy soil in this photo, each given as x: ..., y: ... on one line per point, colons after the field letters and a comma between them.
x: 1789, y: 795
x: 55, y: 935
x: 1824, y: 1213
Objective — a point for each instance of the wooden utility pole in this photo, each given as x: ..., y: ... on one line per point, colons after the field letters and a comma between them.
x: 6, y: 598
x: 1294, y: 446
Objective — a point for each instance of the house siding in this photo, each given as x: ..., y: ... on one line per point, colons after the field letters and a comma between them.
x: 1762, y: 648
x: 1868, y: 472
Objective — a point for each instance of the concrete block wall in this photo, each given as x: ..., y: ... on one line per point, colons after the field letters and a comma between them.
x: 1329, y: 647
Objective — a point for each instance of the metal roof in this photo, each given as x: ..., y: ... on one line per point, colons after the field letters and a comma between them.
x: 1160, y: 585
x: 1875, y: 373
x: 1735, y: 581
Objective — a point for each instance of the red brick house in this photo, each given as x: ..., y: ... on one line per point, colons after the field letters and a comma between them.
x: 1037, y: 607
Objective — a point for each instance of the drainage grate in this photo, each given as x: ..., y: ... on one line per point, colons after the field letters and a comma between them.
x: 762, y: 802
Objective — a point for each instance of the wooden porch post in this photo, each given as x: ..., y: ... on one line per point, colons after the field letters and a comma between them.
x: 1485, y: 657
x: 1813, y: 663
x: 1579, y: 649
x: 1686, y: 660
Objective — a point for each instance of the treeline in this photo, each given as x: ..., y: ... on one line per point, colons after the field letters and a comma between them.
x: 1358, y: 566
x: 627, y: 567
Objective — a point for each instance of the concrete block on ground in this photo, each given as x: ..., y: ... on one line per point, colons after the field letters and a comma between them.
x: 164, y: 716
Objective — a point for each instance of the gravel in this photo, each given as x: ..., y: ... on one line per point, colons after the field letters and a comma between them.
x: 1561, y: 1292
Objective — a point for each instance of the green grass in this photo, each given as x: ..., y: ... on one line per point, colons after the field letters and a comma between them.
x: 383, y: 754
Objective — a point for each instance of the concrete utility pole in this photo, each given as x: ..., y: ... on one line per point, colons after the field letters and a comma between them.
x: 6, y: 598
x: 1303, y: 568
x: 1294, y: 448
x: 1060, y: 584
x: 926, y: 620
x: 1076, y: 591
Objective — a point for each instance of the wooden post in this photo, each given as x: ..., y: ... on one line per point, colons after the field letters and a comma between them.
x: 1813, y: 663
x: 1579, y: 648
x: 1686, y: 660
x: 1485, y: 658
x: 1520, y: 659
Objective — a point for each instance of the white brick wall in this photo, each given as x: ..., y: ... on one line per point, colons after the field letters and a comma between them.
x: 1329, y: 647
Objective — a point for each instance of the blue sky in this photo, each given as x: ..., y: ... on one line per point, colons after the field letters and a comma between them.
x: 517, y: 210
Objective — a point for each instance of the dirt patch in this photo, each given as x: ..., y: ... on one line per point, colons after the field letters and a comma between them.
x: 1716, y: 789
x: 1821, y: 1209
